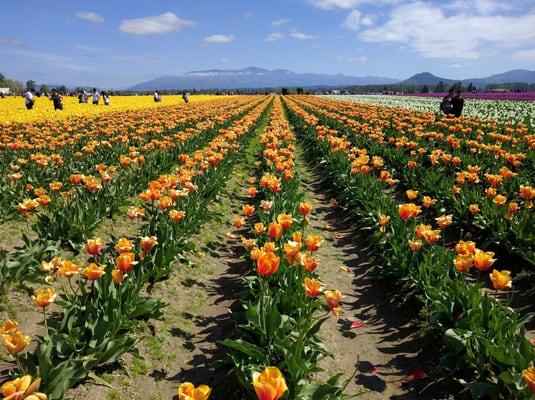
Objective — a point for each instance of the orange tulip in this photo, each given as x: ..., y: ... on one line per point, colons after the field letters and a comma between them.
x: 528, y: 195
x: 500, y: 200
x: 428, y: 202
x: 248, y: 243
x: 474, y: 209
x: 285, y: 221
x: 188, y: 391
x: 44, y: 297
x: 9, y: 327
x: 274, y: 230
x: 176, y: 215
x: 68, y: 269
x: 259, y: 228
x: 15, y: 342
x: 309, y: 263
x: 94, y: 272
x: 292, y: 252
x: 248, y: 210
x: 124, y: 245
x: 444, y: 221
x: 93, y: 247
x: 267, y: 264
x: 266, y: 205
x: 305, y: 208
x: 22, y: 389
x: 483, y: 259
x: 411, y: 194
x: 148, y: 243
x: 415, y: 245
x: 332, y: 299
x: 463, y: 263
x: 465, y: 247
x: 408, y: 210
x: 270, y: 384
x: 269, y: 247
x: 313, y: 242
x: 529, y: 378
x: 501, y: 280
x: 118, y: 276
x: 312, y: 287
x: 251, y: 192
x: 126, y: 262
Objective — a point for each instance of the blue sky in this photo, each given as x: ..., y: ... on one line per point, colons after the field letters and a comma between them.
x: 118, y: 43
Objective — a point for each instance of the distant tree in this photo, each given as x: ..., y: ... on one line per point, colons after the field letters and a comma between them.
x: 2, y: 77
x: 457, y: 86
x: 44, y: 89
x: 425, y: 89
x: 299, y: 90
x: 440, y: 87
x: 284, y: 91
x: 471, y: 88
x: 62, y: 89
x: 30, y: 85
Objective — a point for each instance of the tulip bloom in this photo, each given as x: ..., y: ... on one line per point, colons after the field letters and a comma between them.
x: 22, y: 389
x: 312, y: 287
x: 93, y: 247
x: 188, y: 391
x: 117, y: 276
x: 483, y: 259
x: 266, y: 205
x: 408, y: 210
x: 239, y: 222
x: 15, y: 342
x: 94, y: 272
x: 428, y: 202
x: 270, y: 384
x: 501, y: 280
x: 248, y: 210
x: 313, y: 242
x: 332, y: 299
x: 148, y: 243
x: 274, y: 230
x: 125, y: 262
x: 529, y: 378
x: 9, y: 327
x: 444, y: 221
x: 292, y: 252
x: 267, y: 264
x: 499, y: 200
x: 411, y: 194
x: 176, y: 215
x: 259, y: 228
x: 474, y: 209
x: 463, y: 263
x: 465, y: 247
x: 309, y: 263
x: 285, y: 221
x: 383, y: 221
x: 44, y: 297
x: 124, y: 245
x: 305, y: 208
x: 415, y: 245
x: 68, y: 269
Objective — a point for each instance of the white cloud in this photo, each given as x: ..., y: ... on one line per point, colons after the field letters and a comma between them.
x: 478, y: 6
x: 219, y: 38
x: 89, y: 16
x: 358, y: 59
x: 428, y: 31
x: 224, y: 60
x: 274, y: 36
x: 10, y: 42
x: 279, y: 22
x: 302, y: 36
x: 347, y: 4
x: 355, y: 20
x: 525, y: 55
x: 164, y: 23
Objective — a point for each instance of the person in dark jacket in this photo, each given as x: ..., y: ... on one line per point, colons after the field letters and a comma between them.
x: 57, y: 99
x: 458, y: 103
x: 446, y: 106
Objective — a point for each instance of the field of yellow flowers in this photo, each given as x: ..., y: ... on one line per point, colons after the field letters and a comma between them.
x: 12, y: 109
x: 108, y: 204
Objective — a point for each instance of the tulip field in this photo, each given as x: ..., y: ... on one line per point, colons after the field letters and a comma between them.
x: 267, y: 247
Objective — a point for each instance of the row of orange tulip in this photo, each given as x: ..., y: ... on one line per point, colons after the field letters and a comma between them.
x: 109, y: 287
x: 487, y: 198
x: 484, y: 337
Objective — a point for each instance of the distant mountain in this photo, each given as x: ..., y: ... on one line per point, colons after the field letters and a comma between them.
x: 252, y: 78
x: 426, y: 78
x: 514, y: 76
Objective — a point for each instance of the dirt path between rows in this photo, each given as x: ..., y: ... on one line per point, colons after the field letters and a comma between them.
x: 383, y: 352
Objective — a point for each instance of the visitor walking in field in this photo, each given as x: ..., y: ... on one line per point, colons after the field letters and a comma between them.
x: 157, y: 97
x: 106, y: 98
x: 29, y: 99
x: 185, y: 97
x: 96, y: 97
x: 458, y: 103
x: 57, y: 99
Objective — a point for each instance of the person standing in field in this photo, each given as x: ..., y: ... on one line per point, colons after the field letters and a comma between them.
x: 29, y: 99
x: 157, y: 97
x: 458, y: 103
x: 185, y: 97
x: 96, y: 97
x: 106, y: 98
x: 446, y: 106
x: 57, y: 99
